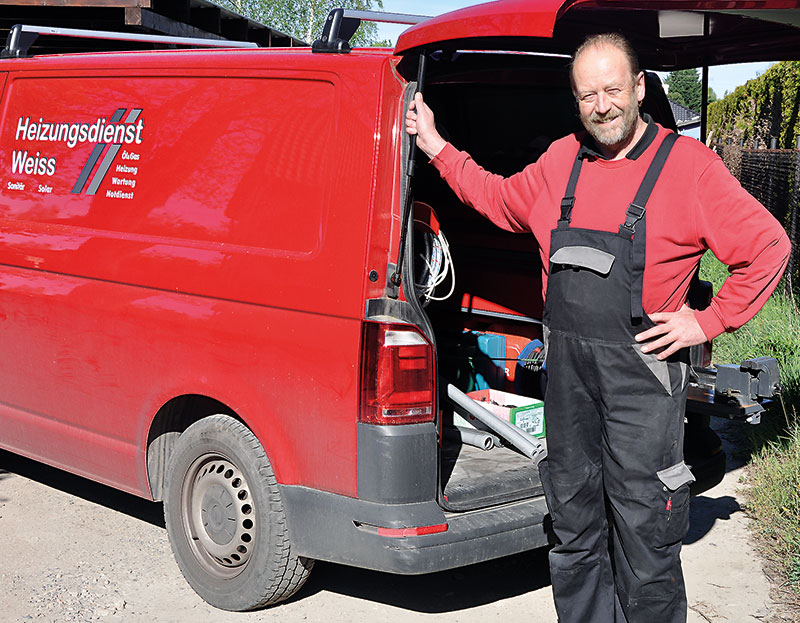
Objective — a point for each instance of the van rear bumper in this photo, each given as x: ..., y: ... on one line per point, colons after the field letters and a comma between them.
x: 335, y: 528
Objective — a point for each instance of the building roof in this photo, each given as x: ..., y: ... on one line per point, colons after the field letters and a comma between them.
x: 684, y: 116
x: 183, y: 18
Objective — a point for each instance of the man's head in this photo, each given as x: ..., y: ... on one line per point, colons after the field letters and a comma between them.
x: 609, y: 87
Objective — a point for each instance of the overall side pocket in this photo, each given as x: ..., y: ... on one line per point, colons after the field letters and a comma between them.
x: 672, y: 521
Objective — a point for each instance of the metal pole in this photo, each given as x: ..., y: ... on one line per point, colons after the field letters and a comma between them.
x: 397, y: 276
x: 704, y: 106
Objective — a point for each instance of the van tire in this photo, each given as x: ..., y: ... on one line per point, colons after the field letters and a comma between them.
x: 225, y: 518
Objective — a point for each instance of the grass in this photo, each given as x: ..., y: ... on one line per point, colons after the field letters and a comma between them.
x: 773, y: 497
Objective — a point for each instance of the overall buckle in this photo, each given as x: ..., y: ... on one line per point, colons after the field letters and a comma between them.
x: 567, y: 204
x: 632, y: 216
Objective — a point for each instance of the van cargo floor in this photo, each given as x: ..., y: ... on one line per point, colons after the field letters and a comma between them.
x: 474, y: 478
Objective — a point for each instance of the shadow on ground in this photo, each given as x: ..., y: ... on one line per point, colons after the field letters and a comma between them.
x: 446, y: 591
x: 705, y: 511
x: 151, y: 512
x: 435, y: 593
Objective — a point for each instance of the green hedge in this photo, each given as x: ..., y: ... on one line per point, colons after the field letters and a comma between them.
x: 763, y: 108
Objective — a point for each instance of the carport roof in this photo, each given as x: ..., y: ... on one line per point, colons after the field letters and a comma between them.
x: 185, y: 18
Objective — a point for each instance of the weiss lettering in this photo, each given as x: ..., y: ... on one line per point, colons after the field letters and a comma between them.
x: 21, y: 162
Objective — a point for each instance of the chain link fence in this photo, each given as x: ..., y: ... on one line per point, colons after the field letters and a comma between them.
x: 773, y: 177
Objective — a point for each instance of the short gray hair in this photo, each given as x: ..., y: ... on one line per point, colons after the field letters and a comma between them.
x: 613, y: 39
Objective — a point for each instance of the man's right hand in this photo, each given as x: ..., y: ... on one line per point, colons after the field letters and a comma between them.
x: 419, y: 121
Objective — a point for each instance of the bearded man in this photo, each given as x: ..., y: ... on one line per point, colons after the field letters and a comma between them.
x: 617, y: 325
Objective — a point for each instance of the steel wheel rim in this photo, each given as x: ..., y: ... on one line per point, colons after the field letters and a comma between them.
x: 218, y: 516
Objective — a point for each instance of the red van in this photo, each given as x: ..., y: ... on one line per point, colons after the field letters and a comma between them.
x: 216, y: 291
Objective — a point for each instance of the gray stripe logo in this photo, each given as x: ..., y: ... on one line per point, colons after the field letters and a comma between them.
x: 103, y: 169
x: 95, y: 155
x: 87, y: 168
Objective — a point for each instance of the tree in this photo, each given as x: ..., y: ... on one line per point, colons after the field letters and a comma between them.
x: 685, y: 88
x: 712, y: 97
x: 304, y: 19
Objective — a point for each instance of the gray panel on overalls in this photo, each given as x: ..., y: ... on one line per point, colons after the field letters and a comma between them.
x: 615, y: 481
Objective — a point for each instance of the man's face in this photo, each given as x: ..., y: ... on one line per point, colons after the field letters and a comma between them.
x: 608, y: 95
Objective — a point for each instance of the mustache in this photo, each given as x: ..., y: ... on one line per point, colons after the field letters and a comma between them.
x: 597, y: 118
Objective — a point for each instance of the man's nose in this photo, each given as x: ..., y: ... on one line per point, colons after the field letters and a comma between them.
x: 603, y: 103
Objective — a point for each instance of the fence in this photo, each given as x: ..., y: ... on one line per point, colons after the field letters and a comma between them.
x: 773, y: 177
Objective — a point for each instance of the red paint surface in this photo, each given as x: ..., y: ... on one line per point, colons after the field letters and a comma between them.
x: 236, y: 270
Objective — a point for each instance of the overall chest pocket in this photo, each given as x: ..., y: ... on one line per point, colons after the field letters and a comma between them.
x: 583, y: 257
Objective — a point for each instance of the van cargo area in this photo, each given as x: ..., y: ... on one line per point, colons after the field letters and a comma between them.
x: 480, y: 286
x: 504, y: 110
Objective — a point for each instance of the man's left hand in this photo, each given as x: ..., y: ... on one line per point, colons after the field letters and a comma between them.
x: 676, y: 330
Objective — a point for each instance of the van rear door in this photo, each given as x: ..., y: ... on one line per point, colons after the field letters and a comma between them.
x: 699, y: 33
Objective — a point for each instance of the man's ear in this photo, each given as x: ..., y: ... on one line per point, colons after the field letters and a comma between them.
x: 640, y: 90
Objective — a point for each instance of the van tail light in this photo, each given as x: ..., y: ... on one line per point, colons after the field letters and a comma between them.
x: 397, y: 375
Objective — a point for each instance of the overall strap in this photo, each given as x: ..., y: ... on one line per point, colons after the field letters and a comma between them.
x: 636, y: 213
x: 569, y: 196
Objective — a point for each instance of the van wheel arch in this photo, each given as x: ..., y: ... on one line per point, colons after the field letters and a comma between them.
x: 171, y: 420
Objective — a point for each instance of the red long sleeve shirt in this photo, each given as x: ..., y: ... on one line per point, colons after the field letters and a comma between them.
x: 696, y: 205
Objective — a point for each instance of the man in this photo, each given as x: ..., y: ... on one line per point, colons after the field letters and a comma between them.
x: 617, y: 326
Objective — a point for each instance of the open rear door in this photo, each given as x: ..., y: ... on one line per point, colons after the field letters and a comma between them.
x: 667, y: 34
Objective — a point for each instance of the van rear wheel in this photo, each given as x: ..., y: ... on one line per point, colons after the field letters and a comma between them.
x: 225, y: 518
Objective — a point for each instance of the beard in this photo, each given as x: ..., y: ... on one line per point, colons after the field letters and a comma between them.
x: 609, y: 136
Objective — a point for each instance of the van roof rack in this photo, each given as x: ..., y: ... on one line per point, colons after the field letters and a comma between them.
x: 21, y: 38
x: 341, y: 25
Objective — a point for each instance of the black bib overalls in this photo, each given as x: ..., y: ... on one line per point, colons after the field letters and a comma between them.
x: 616, y: 484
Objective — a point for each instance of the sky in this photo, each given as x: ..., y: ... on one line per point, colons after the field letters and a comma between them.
x: 721, y: 79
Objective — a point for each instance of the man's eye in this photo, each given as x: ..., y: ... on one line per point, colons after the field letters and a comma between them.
x: 613, y: 92
x: 588, y: 98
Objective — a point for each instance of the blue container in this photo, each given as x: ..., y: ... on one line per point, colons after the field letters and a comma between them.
x: 489, y: 361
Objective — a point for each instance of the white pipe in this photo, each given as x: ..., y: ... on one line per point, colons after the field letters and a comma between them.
x: 531, y: 447
x: 472, y: 437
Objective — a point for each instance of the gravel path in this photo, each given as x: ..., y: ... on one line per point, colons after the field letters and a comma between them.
x: 74, y: 551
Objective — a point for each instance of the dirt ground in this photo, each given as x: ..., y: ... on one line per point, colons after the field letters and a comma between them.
x: 75, y: 551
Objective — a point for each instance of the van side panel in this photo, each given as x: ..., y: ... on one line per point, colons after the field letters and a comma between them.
x: 182, y: 231
x: 88, y: 363
x: 203, y: 184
